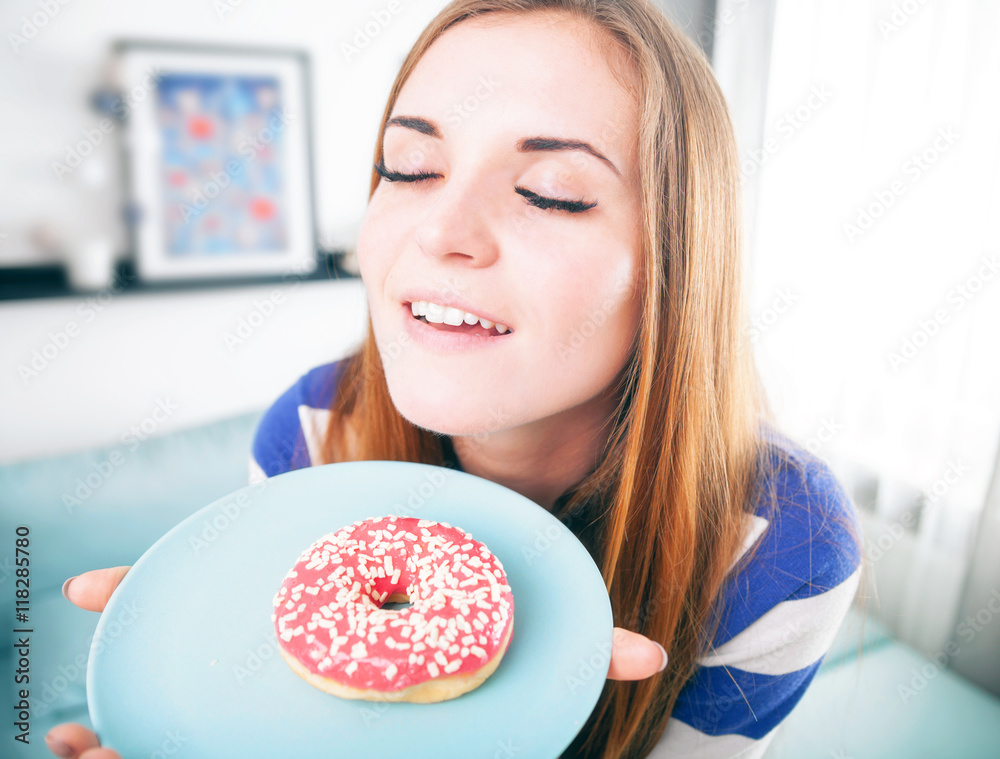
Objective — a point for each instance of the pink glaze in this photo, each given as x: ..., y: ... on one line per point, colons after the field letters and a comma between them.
x: 328, y: 613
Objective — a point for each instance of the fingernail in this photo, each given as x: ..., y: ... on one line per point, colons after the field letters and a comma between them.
x: 664, y: 651
x: 65, y: 588
x: 56, y: 746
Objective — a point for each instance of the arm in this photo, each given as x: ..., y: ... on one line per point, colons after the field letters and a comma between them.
x: 748, y: 685
x: 781, y: 613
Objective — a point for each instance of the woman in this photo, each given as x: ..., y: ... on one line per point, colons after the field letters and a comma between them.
x: 551, y: 253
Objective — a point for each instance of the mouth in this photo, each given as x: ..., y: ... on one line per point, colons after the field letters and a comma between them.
x: 450, y: 319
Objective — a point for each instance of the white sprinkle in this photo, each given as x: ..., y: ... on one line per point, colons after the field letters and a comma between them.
x: 453, y: 666
x: 432, y: 668
x: 351, y: 668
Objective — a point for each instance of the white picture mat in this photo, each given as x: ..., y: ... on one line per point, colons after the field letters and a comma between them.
x: 143, y: 139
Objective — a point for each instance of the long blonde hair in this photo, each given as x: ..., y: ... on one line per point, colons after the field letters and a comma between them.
x: 663, y: 512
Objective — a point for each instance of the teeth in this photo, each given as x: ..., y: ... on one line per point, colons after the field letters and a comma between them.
x: 434, y: 313
x: 438, y: 314
x: 453, y: 316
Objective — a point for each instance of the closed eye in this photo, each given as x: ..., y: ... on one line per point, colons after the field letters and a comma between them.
x: 540, y: 201
x: 534, y: 199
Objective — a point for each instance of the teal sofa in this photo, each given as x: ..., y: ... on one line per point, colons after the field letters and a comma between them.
x: 99, y: 508
x: 105, y: 507
x: 875, y: 697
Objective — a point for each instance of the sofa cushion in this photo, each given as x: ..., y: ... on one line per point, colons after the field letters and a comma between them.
x: 89, y: 510
x: 105, y: 507
x: 893, y: 702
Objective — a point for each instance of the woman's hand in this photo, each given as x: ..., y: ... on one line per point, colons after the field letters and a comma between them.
x: 90, y: 591
x: 633, y: 656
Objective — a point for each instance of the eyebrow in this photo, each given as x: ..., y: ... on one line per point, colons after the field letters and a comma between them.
x: 526, y: 145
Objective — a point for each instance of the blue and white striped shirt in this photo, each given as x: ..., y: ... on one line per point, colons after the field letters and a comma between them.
x: 780, y: 613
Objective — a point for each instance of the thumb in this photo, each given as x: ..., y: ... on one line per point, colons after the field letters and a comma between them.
x: 634, y: 656
x: 91, y: 590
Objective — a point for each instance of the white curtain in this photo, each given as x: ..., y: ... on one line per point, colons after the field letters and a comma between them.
x: 873, y: 202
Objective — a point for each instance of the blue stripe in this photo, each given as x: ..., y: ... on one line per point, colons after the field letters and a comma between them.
x: 807, y: 548
x: 279, y: 445
x: 726, y: 700
x: 319, y: 384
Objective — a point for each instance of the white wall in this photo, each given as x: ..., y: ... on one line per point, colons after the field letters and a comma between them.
x: 136, y: 352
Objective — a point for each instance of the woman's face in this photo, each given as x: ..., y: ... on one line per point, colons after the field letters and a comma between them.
x: 500, y: 114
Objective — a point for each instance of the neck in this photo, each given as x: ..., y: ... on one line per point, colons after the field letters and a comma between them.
x: 543, y: 459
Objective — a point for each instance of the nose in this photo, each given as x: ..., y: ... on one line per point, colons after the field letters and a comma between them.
x: 459, y: 227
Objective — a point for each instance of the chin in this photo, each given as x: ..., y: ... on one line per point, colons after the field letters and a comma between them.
x: 443, y: 410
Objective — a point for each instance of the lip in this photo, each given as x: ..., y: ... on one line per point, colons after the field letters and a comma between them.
x: 445, y: 341
x: 443, y: 299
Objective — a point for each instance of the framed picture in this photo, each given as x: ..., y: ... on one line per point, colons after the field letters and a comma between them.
x: 217, y: 147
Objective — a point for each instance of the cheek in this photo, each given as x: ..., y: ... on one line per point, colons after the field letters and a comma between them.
x: 596, y: 315
x: 379, y: 243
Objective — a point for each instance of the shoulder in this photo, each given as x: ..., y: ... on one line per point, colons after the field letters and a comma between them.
x: 290, y: 430
x: 812, y: 538
x: 803, y: 537
x: 784, y: 600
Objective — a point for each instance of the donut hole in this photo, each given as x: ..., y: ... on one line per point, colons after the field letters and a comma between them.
x: 397, y: 601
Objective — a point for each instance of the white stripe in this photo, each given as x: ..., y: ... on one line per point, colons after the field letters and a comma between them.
x: 314, y: 422
x: 790, y: 636
x: 256, y: 473
x: 681, y: 740
x: 754, y: 529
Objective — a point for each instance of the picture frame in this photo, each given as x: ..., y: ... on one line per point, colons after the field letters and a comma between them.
x: 217, y: 150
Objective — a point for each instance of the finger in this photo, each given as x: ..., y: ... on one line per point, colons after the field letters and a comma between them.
x: 91, y: 590
x: 70, y: 739
x: 634, y: 656
x: 100, y: 753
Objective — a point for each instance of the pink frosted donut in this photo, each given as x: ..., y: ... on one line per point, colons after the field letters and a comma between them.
x: 334, y: 633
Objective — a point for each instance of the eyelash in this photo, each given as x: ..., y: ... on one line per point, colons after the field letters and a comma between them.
x: 538, y: 201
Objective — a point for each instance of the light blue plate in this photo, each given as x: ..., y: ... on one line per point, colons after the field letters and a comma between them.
x: 184, y: 661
